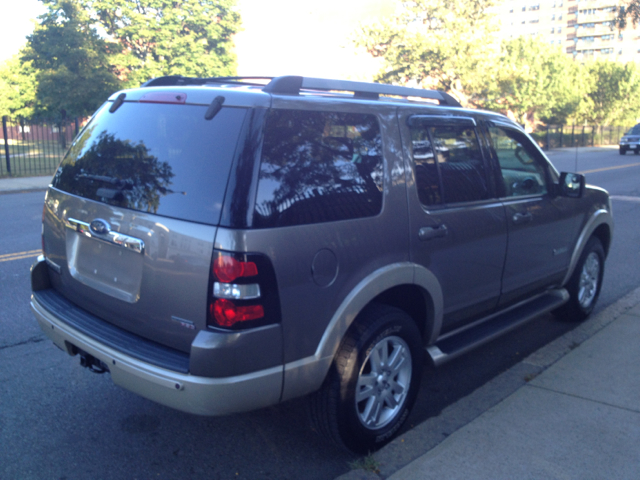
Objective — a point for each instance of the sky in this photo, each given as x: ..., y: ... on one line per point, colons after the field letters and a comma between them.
x: 16, y: 22
x: 279, y: 37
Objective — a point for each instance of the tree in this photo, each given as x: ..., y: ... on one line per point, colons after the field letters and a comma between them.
x: 84, y: 50
x: 533, y: 82
x: 438, y: 44
x: 165, y: 37
x: 17, y: 88
x: 71, y: 62
x: 613, y: 94
x: 630, y: 11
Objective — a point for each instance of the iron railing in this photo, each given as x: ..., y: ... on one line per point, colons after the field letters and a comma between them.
x: 33, y: 147
x: 560, y: 136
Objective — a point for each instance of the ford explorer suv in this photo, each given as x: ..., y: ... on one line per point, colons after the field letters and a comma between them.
x: 224, y: 244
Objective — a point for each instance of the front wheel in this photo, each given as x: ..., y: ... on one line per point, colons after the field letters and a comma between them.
x: 622, y: 151
x: 373, y: 382
x: 585, y: 283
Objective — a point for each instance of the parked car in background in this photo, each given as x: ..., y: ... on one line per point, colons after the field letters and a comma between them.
x: 221, y: 245
x: 631, y: 141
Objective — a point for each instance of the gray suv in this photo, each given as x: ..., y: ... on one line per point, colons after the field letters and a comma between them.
x: 220, y: 245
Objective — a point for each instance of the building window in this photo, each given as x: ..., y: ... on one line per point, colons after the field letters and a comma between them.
x: 559, y: 29
x: 553, y: 30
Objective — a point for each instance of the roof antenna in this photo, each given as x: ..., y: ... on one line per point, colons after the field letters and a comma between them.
x: 576, y: 165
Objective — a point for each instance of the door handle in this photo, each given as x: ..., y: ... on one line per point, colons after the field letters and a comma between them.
x: 427, y: 233
x: 520, y: 218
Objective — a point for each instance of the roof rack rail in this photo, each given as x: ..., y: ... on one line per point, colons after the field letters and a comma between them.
x: 172, y: 80
x: 292, y: 85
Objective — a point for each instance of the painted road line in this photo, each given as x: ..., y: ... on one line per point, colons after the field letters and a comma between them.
x: 20, y: 255
x: 625, y: 198
x: 611, y: 168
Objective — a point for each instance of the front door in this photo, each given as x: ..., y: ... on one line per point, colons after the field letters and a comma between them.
x: 542, y: 225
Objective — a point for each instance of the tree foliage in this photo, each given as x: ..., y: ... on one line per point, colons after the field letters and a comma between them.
x: 452, y: 45
x: 17, y: 95
x: 434, y: 43
x: 71, y: 62
x: 84, y: 50
x: 630, y: 11
x: 613, y: 93
x: 166, y: 37
x: 533, y: 82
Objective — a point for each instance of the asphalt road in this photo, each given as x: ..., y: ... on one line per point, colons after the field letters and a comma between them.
x: 58, y: 420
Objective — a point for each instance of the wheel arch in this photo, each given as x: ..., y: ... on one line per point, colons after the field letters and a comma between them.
x: 599, y: 225
x: 407, y: 286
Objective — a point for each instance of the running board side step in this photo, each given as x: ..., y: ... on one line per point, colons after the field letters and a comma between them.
x: 457, y: 343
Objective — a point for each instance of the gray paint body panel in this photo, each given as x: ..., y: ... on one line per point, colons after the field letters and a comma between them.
x: 169, y: 279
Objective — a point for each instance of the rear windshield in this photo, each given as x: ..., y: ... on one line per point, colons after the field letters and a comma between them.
x: 157, y: 158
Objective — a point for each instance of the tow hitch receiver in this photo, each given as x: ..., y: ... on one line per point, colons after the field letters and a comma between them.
x: 92, y: 363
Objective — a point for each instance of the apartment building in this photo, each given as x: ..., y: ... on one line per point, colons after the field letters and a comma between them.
x: 581, y: 28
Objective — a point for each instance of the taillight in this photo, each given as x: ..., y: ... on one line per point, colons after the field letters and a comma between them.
x: 227, y: 269
x: 242, y: 291
x: 227, y: 313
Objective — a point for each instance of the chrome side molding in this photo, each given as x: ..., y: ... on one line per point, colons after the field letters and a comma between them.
x: 105, y: 234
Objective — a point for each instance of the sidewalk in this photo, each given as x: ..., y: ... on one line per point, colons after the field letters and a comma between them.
x: 24, y: 184
x: 579, y: 418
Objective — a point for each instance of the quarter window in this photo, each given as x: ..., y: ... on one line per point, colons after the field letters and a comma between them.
x: 448, y: 164
x: 318, y: 167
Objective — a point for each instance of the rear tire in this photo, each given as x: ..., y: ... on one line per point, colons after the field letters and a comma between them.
x: 585, y: 283
x: 373, y: 381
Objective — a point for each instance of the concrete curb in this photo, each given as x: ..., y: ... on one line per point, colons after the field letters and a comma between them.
x: 429, y: 434
x: 24, y: 184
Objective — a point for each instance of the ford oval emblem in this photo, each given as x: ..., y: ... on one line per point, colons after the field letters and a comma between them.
x: 99, y: 227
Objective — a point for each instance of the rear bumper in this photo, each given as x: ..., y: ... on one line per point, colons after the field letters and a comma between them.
x: 182, y: 391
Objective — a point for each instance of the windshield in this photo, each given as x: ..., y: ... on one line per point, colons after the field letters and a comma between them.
x: 157, y: 158
x: 634, y: 131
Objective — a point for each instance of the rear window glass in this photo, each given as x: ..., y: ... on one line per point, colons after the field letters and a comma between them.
x: 319, y: 167
x: 156, y: 158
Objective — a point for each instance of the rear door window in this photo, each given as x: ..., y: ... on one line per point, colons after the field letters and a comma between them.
x: 319, y: 167
x: 448, y: 162
x: 156, y: 158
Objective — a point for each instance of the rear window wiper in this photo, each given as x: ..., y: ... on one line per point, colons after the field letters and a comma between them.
x: 117, y: 182
x: 214, y: 107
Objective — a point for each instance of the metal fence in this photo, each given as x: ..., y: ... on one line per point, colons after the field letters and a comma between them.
x: 34, y: 147
x: 37, y: 147
x: 559, y: 136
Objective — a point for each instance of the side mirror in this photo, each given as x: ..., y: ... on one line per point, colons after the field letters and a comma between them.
x: 571, y: 185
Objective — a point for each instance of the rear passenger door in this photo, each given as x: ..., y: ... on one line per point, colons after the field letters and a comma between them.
x: 542, y: 225
x: 457, y: 227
